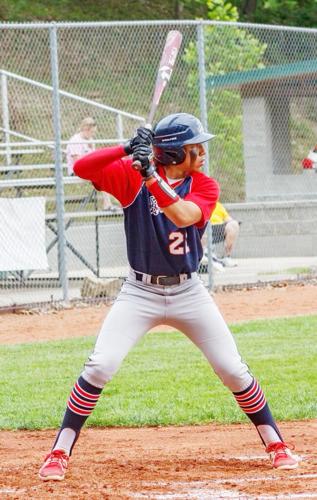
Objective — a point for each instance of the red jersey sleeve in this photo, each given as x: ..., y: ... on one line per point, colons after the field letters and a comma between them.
x: 110, y: 170
x: 205, y: 193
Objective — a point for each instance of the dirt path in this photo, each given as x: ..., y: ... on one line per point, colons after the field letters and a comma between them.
x: 235, y: 306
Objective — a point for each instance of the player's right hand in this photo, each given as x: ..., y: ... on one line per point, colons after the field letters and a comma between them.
x: 142, y: 160
x: 144, y: 136
x: 142, y: 154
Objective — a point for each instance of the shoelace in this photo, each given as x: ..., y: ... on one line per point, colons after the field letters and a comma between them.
x: 57, y: 456
x: 279, y: 447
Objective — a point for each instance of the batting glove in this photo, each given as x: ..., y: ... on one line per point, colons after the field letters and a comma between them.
x: 144, y: 136
x: 142, y: 160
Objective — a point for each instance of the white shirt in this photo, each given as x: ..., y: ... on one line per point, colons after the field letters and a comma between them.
x: 77, y: 146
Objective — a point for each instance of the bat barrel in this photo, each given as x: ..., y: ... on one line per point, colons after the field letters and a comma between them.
x: 170, y: 51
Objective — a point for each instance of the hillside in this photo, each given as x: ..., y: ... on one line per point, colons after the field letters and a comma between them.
x: 284, y: 12
x: 97, y: 10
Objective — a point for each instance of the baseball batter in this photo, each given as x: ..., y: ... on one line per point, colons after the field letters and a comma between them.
x: 167, y: 202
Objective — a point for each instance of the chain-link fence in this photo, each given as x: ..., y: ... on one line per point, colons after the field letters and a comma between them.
x: 253, y: 86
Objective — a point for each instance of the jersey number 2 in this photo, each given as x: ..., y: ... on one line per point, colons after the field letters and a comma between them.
x: 178, y: 243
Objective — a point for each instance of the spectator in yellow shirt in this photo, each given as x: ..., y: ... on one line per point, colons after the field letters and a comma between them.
x: 226, y: 229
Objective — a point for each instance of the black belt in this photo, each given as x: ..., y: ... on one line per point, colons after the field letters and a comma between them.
x: 164, y: 280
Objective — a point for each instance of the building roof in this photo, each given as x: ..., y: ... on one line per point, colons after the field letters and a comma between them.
x: 287, y: 76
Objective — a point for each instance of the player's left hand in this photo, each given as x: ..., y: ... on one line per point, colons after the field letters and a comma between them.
x: 144, y: 136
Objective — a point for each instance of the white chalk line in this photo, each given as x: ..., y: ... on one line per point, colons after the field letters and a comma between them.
x: 201, y: 491
x: 286, y: 475
x: 15, y: 491
x: 12, y: 491
x: 207, y: 494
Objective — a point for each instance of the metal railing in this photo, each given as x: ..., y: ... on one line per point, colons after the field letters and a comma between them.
x: 6, y: 147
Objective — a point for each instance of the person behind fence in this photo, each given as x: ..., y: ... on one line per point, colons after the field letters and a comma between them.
x: 310, y: 161
x: 78, y: 146
x: 167, y: 202
x: 224, y: 229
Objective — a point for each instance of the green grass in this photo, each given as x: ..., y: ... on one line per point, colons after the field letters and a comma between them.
x: 292, y: 270
x: 164, y: 380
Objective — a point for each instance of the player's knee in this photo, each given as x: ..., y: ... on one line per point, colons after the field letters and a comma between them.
x: 236, y: 378
x: 100, y: 368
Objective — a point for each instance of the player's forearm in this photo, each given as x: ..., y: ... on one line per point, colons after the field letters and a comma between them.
x: 90, y: 166
x: 182, y: 213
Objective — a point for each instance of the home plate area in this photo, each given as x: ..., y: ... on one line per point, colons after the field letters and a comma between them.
x: 161, y: 463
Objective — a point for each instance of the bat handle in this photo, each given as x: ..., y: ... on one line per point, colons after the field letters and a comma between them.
x: 137, y: 165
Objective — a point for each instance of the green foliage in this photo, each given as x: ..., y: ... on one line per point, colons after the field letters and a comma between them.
x: 95, y: 10
x: 284, y: 12
x: 227, y: 50
x: 220, y: 10
x: 164, y: 380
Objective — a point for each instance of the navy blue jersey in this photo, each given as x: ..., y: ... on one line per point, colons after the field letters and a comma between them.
x: 154, y: 244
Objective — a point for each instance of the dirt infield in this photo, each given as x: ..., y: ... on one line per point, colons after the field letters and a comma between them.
x: 236, y: 305
x: 200, y: 462
x: 204, y: 462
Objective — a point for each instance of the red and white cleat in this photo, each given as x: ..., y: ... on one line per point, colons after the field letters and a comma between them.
x: 54, y: 467
x: 281, y: 456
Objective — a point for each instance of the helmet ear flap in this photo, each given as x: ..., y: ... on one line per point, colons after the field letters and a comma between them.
x: 169, y: 157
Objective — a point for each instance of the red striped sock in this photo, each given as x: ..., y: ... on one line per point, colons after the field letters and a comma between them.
x: 81, y: 401
x: 253, y: 403
x: 252, y: 399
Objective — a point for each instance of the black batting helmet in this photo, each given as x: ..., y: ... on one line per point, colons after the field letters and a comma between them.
x: 172, y: 133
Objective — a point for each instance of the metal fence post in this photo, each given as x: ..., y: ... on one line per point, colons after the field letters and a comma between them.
x: 60, y: 213
x: 119, y: 126
x: 204, y: 120
x: 6, y: 116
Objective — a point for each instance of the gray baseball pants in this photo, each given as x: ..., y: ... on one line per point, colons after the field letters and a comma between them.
x: 187, y: 307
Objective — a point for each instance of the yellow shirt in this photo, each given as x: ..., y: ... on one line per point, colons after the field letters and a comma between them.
x: 219, y: 215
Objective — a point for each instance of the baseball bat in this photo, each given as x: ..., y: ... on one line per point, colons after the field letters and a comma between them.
x: 169, y: 55
x: 167, y: 62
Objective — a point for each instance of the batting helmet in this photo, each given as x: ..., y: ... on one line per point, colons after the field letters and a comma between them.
x: 172, y: 133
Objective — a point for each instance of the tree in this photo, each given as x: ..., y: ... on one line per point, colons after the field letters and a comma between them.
x: 227, y: 49
x: 284, y: 12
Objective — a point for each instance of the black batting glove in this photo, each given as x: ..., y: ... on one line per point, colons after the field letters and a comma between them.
x: 142, y: 160
x: 144, y: 136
